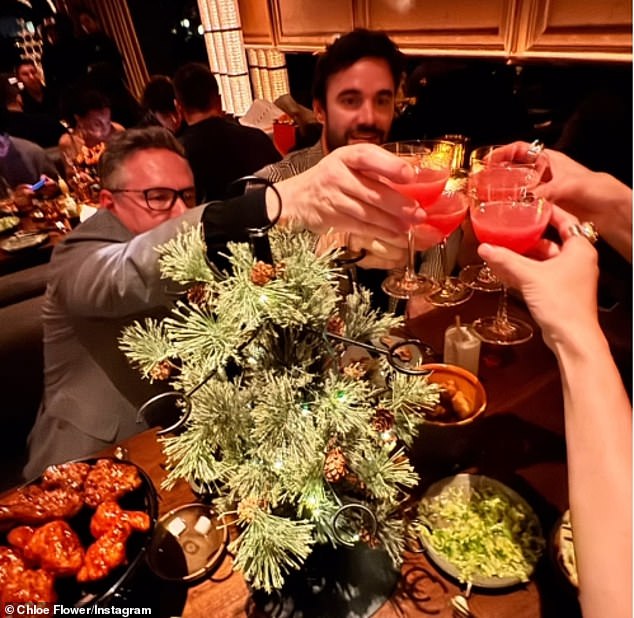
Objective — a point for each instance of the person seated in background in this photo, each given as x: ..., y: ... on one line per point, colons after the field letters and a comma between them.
x: 159, y: 104
x: 561, y: 293
x: 124, y: 107
x: 22, y: 162
x: 93, y: 128
x: 38, y: 128
x: 105, y: 273
x: 218, y: 150
x: 36, y: 98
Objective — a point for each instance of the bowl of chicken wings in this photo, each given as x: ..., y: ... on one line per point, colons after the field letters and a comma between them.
x: 76, y: 534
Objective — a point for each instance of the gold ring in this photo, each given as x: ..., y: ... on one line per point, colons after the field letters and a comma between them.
x: 587, y: 229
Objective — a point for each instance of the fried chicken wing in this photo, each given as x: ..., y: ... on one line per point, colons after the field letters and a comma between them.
x: 106, y: 553
x: 109, y: 514
x: 34, y: 505
x: 109, y: 480
x: 20, y: 536
x: 55, y: 547
x: 69, y: 475
x: 29, y: 586
x: 11, y: 565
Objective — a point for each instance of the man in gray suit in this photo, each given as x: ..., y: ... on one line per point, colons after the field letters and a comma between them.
x: 105, y: 274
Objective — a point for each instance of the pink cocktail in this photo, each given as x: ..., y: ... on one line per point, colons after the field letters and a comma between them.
x: 443, y: 217
x: 426, y: 188
x: 503, y: 182
x: 431, y: 161
x: 516, y: 225
x: 511, y: 224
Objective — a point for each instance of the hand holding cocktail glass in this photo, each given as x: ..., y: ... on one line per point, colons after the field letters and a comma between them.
x: 498, y: 173
x: 431, y: 160
x: 516, y: 225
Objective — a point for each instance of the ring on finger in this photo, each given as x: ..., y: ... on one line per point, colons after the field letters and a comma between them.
x: 587, y: 229
x: 535, y: 149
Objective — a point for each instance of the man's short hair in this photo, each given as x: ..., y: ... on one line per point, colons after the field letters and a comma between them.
x: 196, y: 87
x: 127, y: 143
x: 159, y: 94
x: 89, y: 100
x: 349, y: 49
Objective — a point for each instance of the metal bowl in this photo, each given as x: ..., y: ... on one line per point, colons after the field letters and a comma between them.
x: 467, y: 382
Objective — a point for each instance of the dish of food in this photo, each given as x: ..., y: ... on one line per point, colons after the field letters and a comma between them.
x: 24, y: 241
x: 480, y: 531
x: 462, y: 396
x: 8, y: 223
x: 565, y: 549
x: 76, y: 533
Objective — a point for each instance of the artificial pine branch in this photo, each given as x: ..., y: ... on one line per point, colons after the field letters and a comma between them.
x: 183, y: 258
x: 146, y: 345
x: 270, y: 547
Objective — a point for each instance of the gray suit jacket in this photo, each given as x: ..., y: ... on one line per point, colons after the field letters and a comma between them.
x: 102, y: 278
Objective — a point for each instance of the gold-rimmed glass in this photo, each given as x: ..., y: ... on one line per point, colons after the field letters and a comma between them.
x: 431, y: 160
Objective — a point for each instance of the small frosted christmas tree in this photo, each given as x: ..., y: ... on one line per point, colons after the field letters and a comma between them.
x: 285, y: 432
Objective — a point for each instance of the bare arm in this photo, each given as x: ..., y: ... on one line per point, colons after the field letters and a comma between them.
x: 561, y: 295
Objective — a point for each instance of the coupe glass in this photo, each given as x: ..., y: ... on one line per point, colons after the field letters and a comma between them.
x: 445, y: 215
x: 516, y: 225
x: 431, y: 160
x: 491, y: 180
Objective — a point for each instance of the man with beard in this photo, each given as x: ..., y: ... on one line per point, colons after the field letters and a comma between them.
x: 354, y: 92
x: 353, y: 97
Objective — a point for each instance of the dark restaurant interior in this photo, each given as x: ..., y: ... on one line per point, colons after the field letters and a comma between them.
x: 557, y: 74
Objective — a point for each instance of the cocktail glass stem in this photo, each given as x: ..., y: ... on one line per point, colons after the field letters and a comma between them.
x: 486, y: 274
x: 502, y: 323
x: 447, y: 286
x: 410, y: 269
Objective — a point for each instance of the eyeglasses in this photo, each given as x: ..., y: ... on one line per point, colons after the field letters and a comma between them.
x: 163, y: 198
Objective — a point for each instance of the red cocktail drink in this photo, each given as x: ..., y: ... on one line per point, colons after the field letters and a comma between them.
x: 426, y: 188
x: 514, y: 225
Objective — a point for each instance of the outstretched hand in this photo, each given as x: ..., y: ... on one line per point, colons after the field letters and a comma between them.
x: 344, y: 192
x: 558, y: 283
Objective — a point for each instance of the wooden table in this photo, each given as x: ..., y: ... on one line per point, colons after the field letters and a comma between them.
x: 518, y: 441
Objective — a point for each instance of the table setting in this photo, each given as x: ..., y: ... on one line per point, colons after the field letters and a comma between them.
x: 312, y: 456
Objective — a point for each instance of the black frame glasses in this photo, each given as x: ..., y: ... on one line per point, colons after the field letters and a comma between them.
x: 163, y: 198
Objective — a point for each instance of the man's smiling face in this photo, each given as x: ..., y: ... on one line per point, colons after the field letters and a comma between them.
x: 359, y: 104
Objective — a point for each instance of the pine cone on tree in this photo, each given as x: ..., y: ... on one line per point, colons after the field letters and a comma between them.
x: 383, y: 420
x: 248, y: 507
x: 355, y: 370
x: 336, y: 325
x: 335, y: 465
x: 199, y: 294
x: 162, y: 370
x: 280, y: 270
x: 365, y: 536
x: 262, y: 273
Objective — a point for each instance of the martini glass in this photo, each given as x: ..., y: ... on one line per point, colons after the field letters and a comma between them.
x: 431, y: 160
x: 516, y: 225
x: 491, y: 180
x: 445, y: 215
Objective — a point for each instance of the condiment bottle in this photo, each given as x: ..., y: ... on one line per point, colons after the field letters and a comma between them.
x: 462, y: 348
